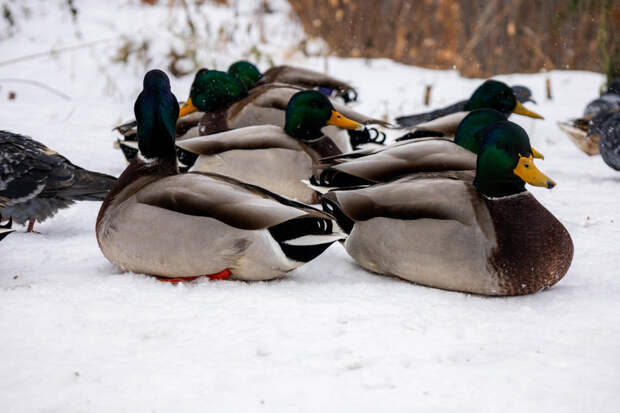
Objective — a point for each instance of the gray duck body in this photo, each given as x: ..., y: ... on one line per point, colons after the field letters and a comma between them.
x: 437, y: 230
x: 394, y: 161
x: 156, y: 221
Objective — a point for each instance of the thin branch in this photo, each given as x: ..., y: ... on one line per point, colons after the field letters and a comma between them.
x: 39, y: 84
x: 55, y: 51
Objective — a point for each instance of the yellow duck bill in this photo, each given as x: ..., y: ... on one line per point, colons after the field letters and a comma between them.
x: 536, y: 154
x: 527, y: 171
x: 522, y: 110
x: 187, y: 108
x: 339, y: 120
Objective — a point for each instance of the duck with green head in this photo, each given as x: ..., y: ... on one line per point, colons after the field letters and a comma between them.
x: 276, y: 158
x: 182, y: 226
x: 263, y: 105
x: 472, y: 231
x: 219, y: 101
x: 492, y: 94
x: 372, y: 166
x: 250, y: 76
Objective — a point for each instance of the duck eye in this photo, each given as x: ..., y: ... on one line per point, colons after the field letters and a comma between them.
x: 500, y: 145
x: 315, y: 105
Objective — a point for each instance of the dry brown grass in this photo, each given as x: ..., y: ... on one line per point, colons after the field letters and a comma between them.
x: 478, y: 37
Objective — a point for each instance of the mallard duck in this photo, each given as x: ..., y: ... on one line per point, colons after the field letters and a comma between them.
x: 609, y: 144
x: 479, y: 232
x: 6, y: 228
x: 250, y: 76
x: 262, y: 105
x: 219, y: 102
x: 369, y: 166
x: 180, y: 226
x: 585, y: 132
x: 491, y: 94
x: 276, y: 158
x: 35, y: 181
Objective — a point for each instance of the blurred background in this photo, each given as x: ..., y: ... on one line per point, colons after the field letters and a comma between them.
x: 478, y: 38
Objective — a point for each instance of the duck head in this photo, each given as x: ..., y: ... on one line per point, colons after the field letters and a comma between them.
x: 309, y: 111
x: 505, y: 162
x: 470, y: 131
x: 246, y: 72
x: 156, y: 110
x: 497, y: 95
x: 212, y: 90
x: 523, y: 93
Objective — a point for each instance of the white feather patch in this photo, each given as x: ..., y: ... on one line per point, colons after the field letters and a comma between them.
x: 316, y: 239
x: 319, y: 189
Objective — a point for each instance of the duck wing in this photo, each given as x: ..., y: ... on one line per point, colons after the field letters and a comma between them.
x: 436, y: 195
x: 414, y: 120
x: 251, y: 137
x: 225, y: 199
x: 305, y: 78
x: 422, y: 155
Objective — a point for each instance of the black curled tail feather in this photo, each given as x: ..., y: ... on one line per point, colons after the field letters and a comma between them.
x: 128, y: 152
x: 6, y: 227
x: 337, y: 179
x: 300, y: 227
x: 331, y: 207
x: 367, y: 135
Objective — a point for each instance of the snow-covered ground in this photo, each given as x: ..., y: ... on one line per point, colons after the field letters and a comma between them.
x: 77, y: 335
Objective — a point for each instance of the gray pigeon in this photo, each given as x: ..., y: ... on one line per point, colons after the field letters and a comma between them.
x: 609, y: 143
x: 35, y: 181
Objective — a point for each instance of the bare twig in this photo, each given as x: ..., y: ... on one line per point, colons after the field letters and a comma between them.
x: 55, y: 51
x: 427, y: 95
x: 39, y: 84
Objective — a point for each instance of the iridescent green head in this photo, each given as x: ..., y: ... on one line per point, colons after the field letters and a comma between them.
x: 493, y: 94
x: 471, y: 131
x: 505, y: 162
x: 156, y: 110
x: 212, y: 90
x: 246, y: 72
x: 308, y: 112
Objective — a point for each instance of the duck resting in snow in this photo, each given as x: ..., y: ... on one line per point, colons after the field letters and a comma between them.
x: 182, y: 226
x: 473, y: 231
x: 275, y: 158
x: 219, y: 102
x: 370, y: 166
x: 492, y: 94
x: 251, y: 77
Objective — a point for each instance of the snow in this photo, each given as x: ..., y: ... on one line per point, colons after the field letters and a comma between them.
x: 79, y: 335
